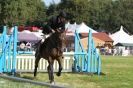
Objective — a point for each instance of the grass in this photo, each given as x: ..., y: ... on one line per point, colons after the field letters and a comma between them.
x: 13, y: 84
x: 117, y: 73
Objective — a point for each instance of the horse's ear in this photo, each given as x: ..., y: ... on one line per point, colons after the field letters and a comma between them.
x: 62, y: 31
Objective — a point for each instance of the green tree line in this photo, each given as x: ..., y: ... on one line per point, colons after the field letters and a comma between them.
x: 101, y: 15
x: 21, y: 12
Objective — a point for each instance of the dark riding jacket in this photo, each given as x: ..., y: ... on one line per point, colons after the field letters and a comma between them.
x: 54, y: 24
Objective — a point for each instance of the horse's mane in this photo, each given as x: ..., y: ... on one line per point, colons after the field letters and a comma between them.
x: 53, y: 41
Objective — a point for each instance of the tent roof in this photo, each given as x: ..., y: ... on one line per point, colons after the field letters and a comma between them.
x: 83, y: 28
x: 124, y: 44
x: 101, y: 35
x: 71, y: 27
x: 28, y: 36
x: 121, y: 37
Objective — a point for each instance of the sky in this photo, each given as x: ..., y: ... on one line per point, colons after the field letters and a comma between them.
x: 47, y: 2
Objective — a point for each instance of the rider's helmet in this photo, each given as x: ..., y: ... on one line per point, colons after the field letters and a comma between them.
x: 62, y: 14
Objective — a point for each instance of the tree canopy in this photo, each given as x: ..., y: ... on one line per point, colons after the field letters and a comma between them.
x: 16, y: 12
x: 101, y: 15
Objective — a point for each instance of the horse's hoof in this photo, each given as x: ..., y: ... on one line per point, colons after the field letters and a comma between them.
x: 58, y: 74
x: 34, y: 77
x: 52, y: 83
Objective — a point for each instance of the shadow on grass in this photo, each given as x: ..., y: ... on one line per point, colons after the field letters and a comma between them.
x: 86, y: 73
x: 28, y: 77
x: 19, y: 75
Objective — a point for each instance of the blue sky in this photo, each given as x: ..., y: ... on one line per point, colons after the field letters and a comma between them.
x: 47, y: 2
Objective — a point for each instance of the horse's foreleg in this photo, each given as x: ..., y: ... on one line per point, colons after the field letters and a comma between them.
x: 36, y: 65
x: 50, y: 73
x: 60, y: 66
x: 50, y: 70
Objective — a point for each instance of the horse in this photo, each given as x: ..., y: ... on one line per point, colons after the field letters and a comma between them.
x: 51, y: 49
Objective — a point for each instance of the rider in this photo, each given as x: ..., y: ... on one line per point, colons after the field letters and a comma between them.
x: 55, y: 23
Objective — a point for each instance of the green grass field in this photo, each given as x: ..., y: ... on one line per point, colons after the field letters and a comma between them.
x: 117, y: 72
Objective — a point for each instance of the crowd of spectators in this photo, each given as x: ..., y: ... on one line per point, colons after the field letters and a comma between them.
x: 25, y: 46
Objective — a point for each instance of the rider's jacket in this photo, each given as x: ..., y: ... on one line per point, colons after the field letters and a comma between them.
x: 54, y: 24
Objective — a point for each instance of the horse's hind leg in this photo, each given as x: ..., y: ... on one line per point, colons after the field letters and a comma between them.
x: 36, y: 65
x: 60, y: 65
x: 50, y: 70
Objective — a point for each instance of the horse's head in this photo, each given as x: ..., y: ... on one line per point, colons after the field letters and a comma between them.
x: 61, y: 35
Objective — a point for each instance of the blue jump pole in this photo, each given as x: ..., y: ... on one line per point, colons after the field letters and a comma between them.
x: 1, y: 58
x: 86, y: 61
x: 14, y: 49
x: 89, y: 52
x: 4, y: 49
x: 8, y: 57
x: 3, y: 54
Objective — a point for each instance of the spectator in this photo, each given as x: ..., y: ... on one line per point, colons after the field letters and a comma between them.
x: 114, y: 51
x: 22, y: 46
x: 28, y: 46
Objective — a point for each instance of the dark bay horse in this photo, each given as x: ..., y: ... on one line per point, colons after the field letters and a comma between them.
x: 51, y: 49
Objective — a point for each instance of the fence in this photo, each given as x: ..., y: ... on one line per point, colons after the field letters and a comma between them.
x: 83, y: 61
x: 8, y: 51
x: 25, y: 63
x: 86, y: 60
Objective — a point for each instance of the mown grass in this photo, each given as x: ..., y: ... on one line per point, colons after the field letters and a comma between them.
x: 117, y: 72
x: 14, y: 84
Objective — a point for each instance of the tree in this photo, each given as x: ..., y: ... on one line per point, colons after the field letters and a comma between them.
x: 122, y: 13
x: 107, y: 15
x: 77, y: 9
x: 20, y: 11
x: 52, y: 10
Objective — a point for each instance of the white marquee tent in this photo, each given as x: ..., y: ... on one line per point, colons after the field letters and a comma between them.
x: 123, y: 42
x: 83, y: 28
x: 72, y: 27
x: 121, y: 37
